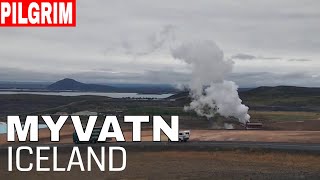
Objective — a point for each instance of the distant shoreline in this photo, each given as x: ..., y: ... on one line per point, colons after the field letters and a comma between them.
x: 133, y: 95
x: 70, y: 91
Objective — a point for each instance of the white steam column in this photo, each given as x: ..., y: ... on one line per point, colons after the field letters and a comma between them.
x: 210, y: 93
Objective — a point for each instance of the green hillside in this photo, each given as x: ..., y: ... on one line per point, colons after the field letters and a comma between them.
x: 288, y: 98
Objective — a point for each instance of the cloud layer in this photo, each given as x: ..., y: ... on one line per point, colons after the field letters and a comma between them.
x: 128, y: 41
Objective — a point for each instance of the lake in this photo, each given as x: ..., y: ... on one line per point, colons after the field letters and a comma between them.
x: 3, y: 127
x: 113, y: 95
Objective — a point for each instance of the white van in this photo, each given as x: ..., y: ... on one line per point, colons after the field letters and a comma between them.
x: 184, y: 136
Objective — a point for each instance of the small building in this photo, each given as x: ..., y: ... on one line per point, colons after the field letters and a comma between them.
x: 253, y: 125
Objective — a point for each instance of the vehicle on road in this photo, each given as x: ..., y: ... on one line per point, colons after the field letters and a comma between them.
x: 184, y: 136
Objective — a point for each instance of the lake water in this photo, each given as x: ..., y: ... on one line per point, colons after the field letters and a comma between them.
x: 113, y: 95
x: 3, y: 127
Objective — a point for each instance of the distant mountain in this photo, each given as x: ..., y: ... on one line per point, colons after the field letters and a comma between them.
x: 71, y: 84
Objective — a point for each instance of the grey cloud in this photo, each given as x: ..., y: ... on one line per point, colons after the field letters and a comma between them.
x: 21, y: 75
x: 302, y: 15
x: 270, y: 58
x: 301, y: 60
x: 152, y: 77
x: 150, y: 43
x: 96, y: 76
x: 253, y: 79
x: 243, y: 57
x: 113, y: 35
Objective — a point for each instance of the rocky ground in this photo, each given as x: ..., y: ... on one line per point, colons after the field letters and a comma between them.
x: 186, y: 165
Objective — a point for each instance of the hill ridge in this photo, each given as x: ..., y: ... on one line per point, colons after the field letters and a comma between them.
x: 73, y: 85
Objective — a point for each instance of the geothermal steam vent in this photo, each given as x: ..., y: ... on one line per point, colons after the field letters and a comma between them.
x: 210, y: 92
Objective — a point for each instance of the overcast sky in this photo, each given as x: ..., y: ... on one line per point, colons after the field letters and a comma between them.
x: 271, y: 42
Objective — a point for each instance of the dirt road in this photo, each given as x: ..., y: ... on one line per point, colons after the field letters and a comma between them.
x: 203, y: 135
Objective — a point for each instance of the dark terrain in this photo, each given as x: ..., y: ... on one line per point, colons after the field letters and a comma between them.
x: 278, y: 108
x: 279, y: 98
x: 286, y: 112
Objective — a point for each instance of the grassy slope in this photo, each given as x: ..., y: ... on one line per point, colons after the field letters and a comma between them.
x: 284, y: 115
x: 294, y: 98
x: 282, y: 96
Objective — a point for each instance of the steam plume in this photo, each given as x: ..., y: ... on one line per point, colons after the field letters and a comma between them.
x: 210, y: 93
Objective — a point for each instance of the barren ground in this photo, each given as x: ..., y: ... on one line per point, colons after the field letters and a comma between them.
x: 186, y: 165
